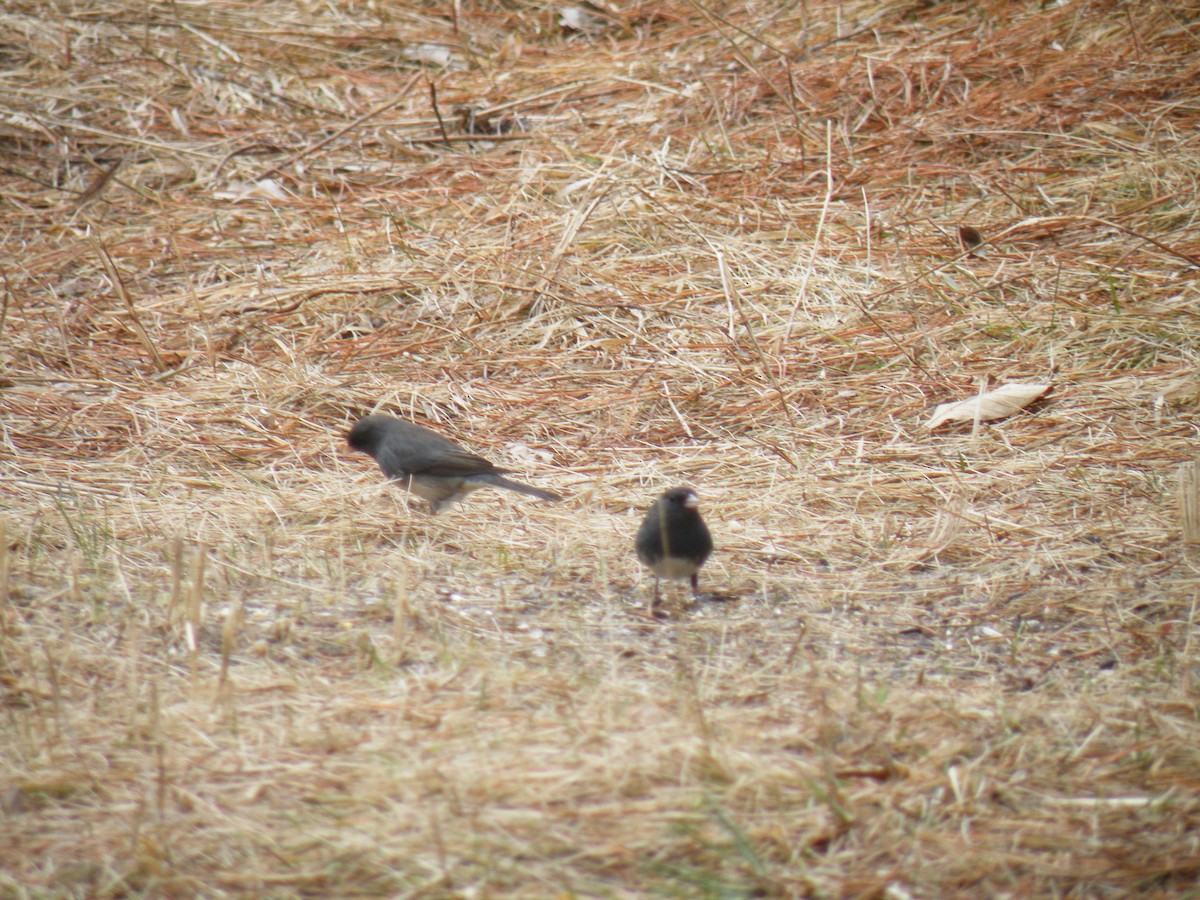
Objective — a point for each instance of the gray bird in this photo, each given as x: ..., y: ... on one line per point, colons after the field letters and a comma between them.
x: 673, y: 541
x: 428, y: 464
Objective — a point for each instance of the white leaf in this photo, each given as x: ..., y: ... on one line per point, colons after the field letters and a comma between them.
x: 575, y: 18
x: 429, y: 54
x: 1003, y: 401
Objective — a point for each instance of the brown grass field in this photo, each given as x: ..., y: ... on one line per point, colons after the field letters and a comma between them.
x: 616, y: 248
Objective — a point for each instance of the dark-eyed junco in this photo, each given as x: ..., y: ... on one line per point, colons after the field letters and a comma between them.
x: 428, y: 464
x: 673, y: 540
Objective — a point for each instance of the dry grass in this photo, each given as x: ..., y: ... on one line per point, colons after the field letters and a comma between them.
x: 715, y: 244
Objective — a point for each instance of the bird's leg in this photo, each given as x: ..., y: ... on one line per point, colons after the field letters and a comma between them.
x: 656, y: 607
x: 695, y: 584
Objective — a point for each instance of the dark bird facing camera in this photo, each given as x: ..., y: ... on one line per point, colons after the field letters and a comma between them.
x: 429, y: 465
x: 673, y: 541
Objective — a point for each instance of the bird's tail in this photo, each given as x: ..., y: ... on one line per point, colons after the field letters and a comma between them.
x: 502, y: 482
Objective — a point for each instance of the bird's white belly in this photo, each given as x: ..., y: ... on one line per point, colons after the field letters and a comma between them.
x: 675, y: 568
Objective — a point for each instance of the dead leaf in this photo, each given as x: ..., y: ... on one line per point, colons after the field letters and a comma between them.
x: 1003, y: 401
x: 969, y: 238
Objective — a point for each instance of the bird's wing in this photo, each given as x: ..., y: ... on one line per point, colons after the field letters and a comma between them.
x: 400, y: 459
x: 454, y: 463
